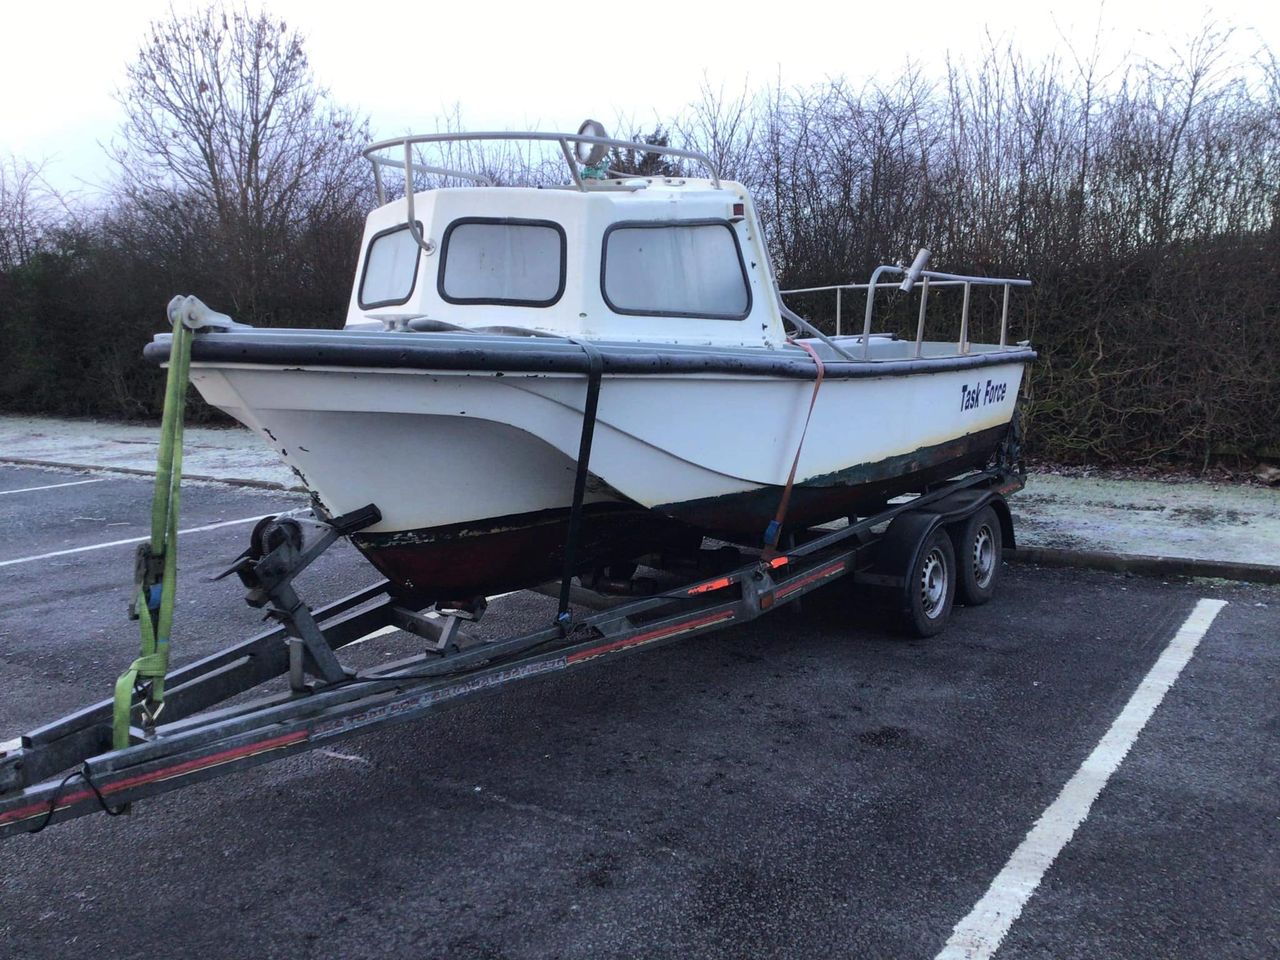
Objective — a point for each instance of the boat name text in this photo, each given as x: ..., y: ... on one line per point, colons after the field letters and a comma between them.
x: 980, y: 394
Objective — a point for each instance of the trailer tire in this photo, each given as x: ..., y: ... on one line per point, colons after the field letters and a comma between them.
x: 978, y: 544
x: 931, y: 586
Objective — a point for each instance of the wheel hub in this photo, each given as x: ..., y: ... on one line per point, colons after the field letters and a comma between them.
x: 933, y: 583
x: 984, y: 556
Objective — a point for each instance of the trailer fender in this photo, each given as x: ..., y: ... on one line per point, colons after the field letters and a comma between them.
x: 965, y: 503
x: 1001, y: 506
x: 898, y: 550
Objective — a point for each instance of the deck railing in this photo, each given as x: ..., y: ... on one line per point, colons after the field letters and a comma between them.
x: 927, y: 280
x: 574, y: 158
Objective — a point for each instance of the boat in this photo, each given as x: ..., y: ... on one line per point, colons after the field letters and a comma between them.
x: 543, y: 381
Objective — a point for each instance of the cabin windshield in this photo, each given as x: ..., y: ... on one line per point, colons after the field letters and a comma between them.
x: 665, y: 269
x: 390, y: 268
x: 502, y: 261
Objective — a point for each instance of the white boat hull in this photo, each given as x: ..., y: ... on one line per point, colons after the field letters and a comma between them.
x: 487, y: 445
x: 474, y: 453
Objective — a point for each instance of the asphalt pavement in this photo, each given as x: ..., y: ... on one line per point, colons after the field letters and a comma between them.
x: 801, y: 786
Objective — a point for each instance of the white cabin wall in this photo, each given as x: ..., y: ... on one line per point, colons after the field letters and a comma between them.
x: 581, y: 310
x: 385, y: 218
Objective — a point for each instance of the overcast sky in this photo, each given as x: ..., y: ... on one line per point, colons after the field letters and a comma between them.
x: 511, y: 65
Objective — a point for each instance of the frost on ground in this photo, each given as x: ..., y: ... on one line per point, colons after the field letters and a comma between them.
x: 224, y: 453
x: 1203, y: 521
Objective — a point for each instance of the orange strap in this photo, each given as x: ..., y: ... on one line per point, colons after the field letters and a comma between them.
x: 774, y: 530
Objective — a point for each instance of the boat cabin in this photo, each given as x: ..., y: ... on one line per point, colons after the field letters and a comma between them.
x: 660, y: 259
x: 609, y: 257
x: 606, y: 256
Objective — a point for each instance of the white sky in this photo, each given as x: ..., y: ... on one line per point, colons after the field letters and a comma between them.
x: 510, y: 64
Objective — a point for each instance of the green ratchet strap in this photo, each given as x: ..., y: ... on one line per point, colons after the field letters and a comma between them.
x: 158, y: 558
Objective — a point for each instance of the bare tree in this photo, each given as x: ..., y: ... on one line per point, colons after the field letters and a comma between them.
x: 228, y: 132
x: 26, y: 211
x: 724, y: 127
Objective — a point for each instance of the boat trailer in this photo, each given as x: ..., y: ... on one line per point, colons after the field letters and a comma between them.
x: 76, y: 765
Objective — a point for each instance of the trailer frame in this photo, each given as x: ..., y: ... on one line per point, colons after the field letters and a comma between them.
x: 67, y: 768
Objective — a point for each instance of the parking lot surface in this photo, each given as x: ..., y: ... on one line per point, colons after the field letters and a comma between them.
x: 801, y: 786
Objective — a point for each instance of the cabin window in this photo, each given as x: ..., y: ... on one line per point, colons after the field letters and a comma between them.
x: 502, y: 261
x: 390, y: 268
x: 691, y: 268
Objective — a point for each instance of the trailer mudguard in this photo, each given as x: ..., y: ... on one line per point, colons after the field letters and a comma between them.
x: 899, y: 549
x: 964, y: 503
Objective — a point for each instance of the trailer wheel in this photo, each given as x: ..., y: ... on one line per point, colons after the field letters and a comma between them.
x: 931, y: 587
x: 979, y: 546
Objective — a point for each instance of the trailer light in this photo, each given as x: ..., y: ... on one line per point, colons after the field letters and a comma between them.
x: 710, y: 586
x: 777, y: 562
x: 739, y: 211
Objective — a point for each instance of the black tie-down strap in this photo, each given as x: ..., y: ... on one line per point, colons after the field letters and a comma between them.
x: 595, y: 369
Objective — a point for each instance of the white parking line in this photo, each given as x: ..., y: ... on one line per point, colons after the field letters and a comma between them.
x: 54, y: 486
x: 978, y: 935
x: 350, y: 757
x: 118, y: 543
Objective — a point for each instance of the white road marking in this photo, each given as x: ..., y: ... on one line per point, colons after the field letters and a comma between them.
x: 380, y: 632
x: 351, y: 757
x: 119, y: 543
x: 54, y: 486
x: 978, y: 935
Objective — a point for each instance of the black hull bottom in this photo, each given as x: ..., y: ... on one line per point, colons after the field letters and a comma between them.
x: 466, y: 560
x: 480, y: 558
x: 857, y: 491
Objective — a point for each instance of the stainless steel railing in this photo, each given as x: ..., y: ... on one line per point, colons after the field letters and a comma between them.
x: 928, y: 279
x: 599, y: 146
x: 373, y: 153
